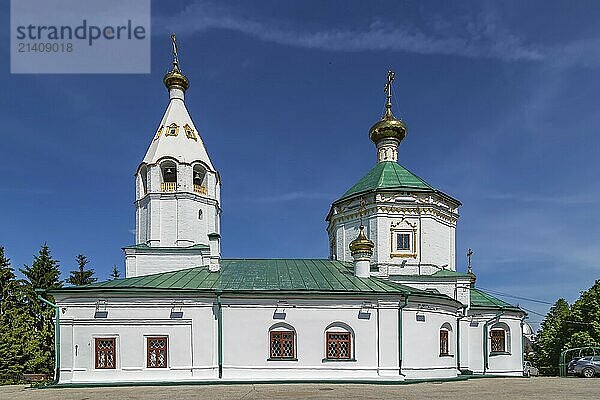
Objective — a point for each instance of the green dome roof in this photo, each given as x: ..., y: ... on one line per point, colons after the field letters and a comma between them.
x: 388, y: 175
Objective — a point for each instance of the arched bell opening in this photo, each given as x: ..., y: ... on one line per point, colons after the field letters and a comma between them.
x: 168, y: 171
x: 144, y: 179
x: 199, y: 179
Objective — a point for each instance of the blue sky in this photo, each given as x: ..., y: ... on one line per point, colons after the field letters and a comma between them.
x: 500, y: 99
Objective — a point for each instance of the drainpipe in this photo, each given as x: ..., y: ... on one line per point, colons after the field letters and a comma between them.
x: 56, y: 334
x: 400, y: 307
x: 485, y: 342
x: 220, y: 333
x: 464, y: 314
x: 522, y: 341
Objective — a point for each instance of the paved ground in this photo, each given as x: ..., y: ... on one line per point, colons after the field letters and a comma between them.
x: 480, y: 389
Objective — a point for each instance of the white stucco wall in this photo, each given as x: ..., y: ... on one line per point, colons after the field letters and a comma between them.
x: 505, y: 364
x: 431, y: 218
x: 193, y: 344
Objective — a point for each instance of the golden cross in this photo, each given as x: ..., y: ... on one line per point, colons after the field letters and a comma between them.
x: 388, y: 86
x: 361, y: 210
x: 469, y: 254
x: 175, y: 55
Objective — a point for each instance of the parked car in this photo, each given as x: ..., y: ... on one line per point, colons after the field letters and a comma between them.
x: 588, y: 367
x: 571, y: 365
x: 530, y: 370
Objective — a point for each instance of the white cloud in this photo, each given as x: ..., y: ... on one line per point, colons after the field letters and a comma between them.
x: 482, y: 36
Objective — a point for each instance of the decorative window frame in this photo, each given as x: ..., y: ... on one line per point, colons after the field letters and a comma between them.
x: 339, y: 328
x: 170, y: 127
x: 190, y: 133
x: 114, y: 339
x: 158, y: 132
x: 403, y: 227
x: 147, y: 350
x: 282, y: 328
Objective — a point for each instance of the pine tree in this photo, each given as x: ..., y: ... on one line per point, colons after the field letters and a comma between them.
x: 551, y: 338
x: 10, y: 354
x: 7, y: 282
x: 115, y: 274
x: 38, y: 340
x: 81, y: 276
x: 44, y: 272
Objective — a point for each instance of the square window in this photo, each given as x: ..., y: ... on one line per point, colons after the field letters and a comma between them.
x: 157, y: 352
x: 106, y: 356
x: 403, y: 241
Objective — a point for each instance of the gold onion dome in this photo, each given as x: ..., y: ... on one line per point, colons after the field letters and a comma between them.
x: 175, y: 78
x: 361, y: 244
x: 388, y: 126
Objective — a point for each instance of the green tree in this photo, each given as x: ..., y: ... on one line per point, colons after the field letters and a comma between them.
x: 82, y: 276
x: 551, y: 338
x: 8, y: 282
x: 585, y: 317
x: 115, y: 274
x: 44, y: 272
x: 38, y: 342
x: 10, y: 354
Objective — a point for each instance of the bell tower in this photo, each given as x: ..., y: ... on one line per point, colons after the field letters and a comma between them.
x: 177, y: 193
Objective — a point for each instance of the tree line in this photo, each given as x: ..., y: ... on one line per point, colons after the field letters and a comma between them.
x: 568, y: 326
x: 26, y: 323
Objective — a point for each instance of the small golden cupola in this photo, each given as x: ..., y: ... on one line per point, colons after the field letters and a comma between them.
x: 361, y: 250
x: 389, y: 131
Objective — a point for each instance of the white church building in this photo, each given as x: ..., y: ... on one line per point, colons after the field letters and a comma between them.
x: 388, y: 305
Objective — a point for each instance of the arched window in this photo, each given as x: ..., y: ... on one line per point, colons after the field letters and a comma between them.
x: 199, y: 179
x: 282, y: 342
x: 168, y: 171
x: 499, y: 338
x: 445, y: 339
x: 200, y: 214
x: 339, y: 342
x: 144, y: 179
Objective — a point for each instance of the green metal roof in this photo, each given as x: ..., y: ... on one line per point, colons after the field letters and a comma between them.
x: 484, y: 300
x: 443, y: 273
x: 388, y: 175
x: 391, y: 175
x: 260, y: 275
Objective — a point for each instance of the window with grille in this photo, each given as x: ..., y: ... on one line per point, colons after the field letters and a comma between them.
x: 106, y: 353
x: 157, y: 352
x: 403, y: 241
x: 283, y: 344
x: 339, y: 345
x: 444, y: 344
x: 498, y: 341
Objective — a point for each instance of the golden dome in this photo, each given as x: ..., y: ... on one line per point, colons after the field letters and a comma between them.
x: 361, y: 244
x: 175, y: 78
x: 387, y: 127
